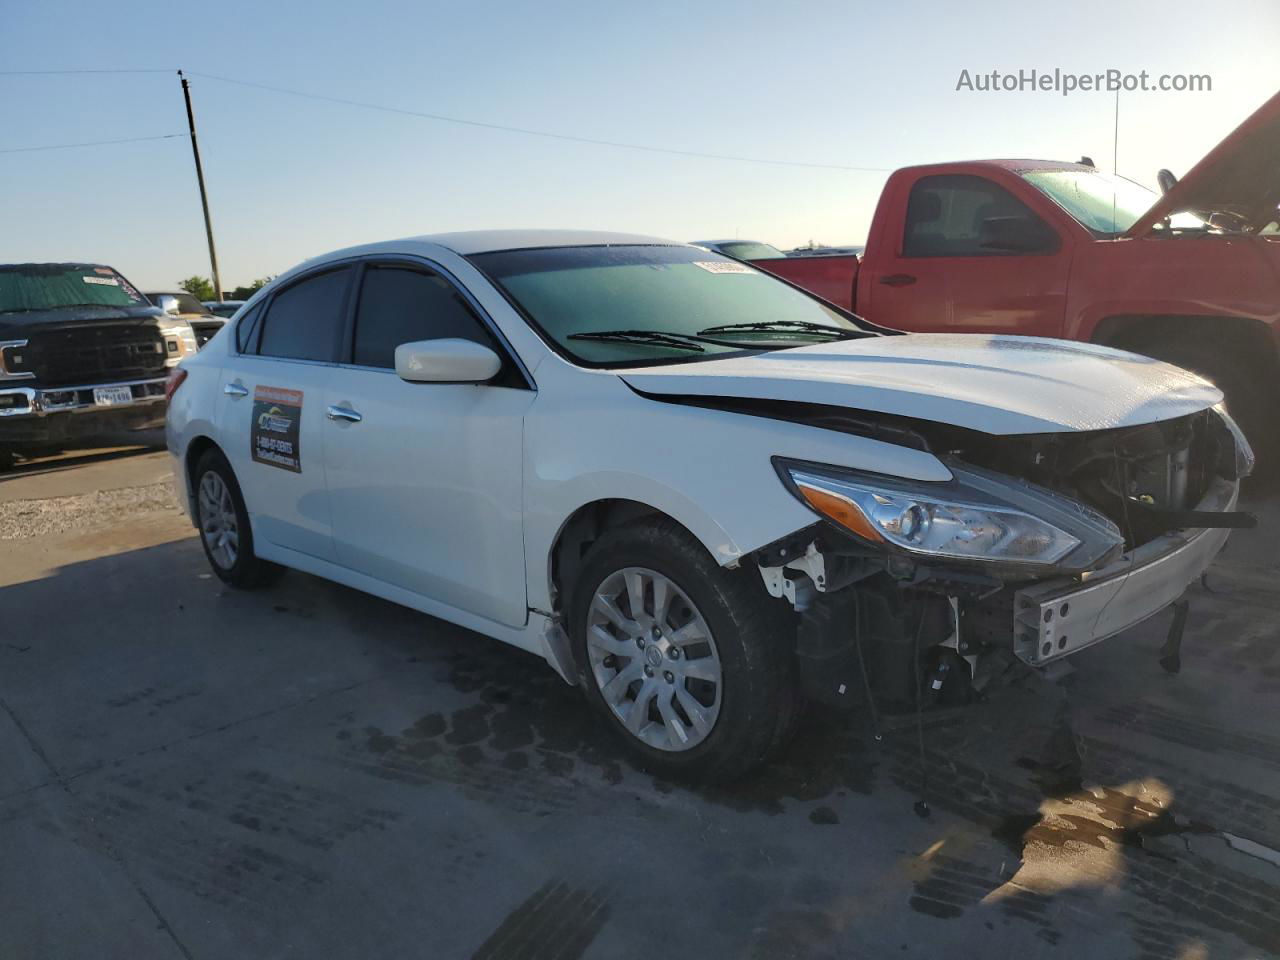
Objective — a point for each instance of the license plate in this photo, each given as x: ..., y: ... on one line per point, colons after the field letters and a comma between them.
x: 109, y: 396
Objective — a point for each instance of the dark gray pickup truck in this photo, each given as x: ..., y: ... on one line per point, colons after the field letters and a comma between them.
x: 82, y: 352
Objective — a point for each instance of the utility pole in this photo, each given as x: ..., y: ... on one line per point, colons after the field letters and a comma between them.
x: 204, y: 197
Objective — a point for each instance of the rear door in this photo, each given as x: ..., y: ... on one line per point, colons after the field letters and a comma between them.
x: 425, y: 479
x: 971, y: 258
x: 271, y: 411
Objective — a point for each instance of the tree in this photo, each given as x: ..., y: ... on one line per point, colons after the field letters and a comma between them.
x: 244, y: 293
x: 198, y: 287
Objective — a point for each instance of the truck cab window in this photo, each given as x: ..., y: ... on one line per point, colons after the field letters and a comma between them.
x: 967, y: 216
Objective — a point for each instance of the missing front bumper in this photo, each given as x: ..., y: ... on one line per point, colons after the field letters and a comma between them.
x: 1056, y: 618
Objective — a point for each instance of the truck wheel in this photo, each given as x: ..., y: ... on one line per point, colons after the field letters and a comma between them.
x: 1250, y: 397
x: 224, y: 528
x: 690, y: 663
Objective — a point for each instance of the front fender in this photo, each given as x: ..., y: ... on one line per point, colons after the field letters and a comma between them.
x: 709, y: 470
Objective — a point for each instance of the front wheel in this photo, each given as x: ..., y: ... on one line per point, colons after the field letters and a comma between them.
x: 690, y: 663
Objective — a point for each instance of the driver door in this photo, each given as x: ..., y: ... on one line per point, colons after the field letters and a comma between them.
x: 955, y: 270
x: 425, y: 479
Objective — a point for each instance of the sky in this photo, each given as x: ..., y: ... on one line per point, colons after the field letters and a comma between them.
x: 847, y: 84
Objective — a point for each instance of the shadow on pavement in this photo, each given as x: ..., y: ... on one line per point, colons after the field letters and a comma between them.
x: 291, y: 749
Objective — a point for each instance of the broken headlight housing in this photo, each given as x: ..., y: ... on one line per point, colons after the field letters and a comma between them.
x: 978, y: 515
x: 1245, y: 460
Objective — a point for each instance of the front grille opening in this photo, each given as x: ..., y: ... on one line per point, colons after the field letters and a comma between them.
x: 14, y: 401
x: 91, y: 354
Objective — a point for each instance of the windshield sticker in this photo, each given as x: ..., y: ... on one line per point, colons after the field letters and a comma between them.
x: 723, y: 266
x: 273, y: 434
x: 102, y: 281
x: 105, y: 271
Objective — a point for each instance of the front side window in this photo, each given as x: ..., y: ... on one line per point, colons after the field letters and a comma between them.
x: 627, y: 305
x: 966, y: 216
x: 304, y: 321
x: 402, y: 305
x: 51, y: 286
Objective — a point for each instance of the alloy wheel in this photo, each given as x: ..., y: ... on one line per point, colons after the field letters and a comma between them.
x: 218, y: 524
x: 654, y: 659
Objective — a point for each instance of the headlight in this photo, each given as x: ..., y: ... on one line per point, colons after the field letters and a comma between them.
x: 1245, y: 459
x: 979, y: 515
x: 179, y: 340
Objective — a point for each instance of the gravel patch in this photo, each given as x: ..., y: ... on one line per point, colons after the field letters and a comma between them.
x: 24, y: 519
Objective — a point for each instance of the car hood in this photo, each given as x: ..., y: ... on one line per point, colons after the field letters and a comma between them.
x: 996, y: 385
x: 28, y: 321
x: 1240, y: 175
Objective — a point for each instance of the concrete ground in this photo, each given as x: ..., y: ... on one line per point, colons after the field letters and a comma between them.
x: 305, y: 771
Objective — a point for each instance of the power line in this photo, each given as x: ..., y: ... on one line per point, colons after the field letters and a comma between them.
x: 526, y: 131
x: 34, y: 73
x: 89, y: 143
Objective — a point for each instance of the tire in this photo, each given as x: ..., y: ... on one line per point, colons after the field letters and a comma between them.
x: 721, y: 622
x: 1250, y: 396
x: 223, y: 525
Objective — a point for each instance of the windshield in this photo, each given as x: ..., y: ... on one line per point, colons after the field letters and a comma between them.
x: 49, y: 286
x: 1104, y: 203
x: 568, y: 292
x: 186, y: 302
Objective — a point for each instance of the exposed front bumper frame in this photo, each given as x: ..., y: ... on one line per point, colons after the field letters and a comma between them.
x: 1055, y: 618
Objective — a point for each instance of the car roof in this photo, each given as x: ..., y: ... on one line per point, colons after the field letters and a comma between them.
x: 69, y: 265
x: 1012, y: 165
x: 471, y: 242
x: 468, y: 242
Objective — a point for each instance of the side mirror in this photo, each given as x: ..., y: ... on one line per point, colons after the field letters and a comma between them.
x: 1167, y: 180
x: 1016, y: 235
x: 446, y: 361
x: 169, y: 304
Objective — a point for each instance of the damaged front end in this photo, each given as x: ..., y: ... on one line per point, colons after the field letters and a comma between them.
x: 1039, y: 546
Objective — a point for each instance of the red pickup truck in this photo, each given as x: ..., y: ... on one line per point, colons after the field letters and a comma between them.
x: 1053, y: 249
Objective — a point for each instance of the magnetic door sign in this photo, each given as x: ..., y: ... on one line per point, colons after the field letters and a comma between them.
x: 273, y: 436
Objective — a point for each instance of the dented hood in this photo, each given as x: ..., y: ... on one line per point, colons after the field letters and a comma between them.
x: 1241, y: 175
x: 997, y: 385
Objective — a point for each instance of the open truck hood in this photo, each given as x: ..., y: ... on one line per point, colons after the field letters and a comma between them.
x: 1241, y: 175
x: 996, y: 385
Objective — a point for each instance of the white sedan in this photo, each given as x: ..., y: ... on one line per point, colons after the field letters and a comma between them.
x: 698, y: 492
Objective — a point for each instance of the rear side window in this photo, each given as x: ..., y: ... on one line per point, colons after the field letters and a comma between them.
x: 304, y: 321
x: 965, y: 216
x: 404, y: 304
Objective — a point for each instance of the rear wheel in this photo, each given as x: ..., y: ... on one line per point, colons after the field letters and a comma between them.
x: 224, y: 528
x: 688, y: 662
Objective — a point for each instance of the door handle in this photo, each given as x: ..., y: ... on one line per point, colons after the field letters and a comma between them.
x: 235, y: 390
x: 343, y: 413
x: 898, y: 280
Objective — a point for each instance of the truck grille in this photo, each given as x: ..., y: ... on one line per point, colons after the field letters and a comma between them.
x: 90, y: 354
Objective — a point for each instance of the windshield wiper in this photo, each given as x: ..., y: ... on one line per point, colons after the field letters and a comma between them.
x: 785, y: 326
x: 640, y: 336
